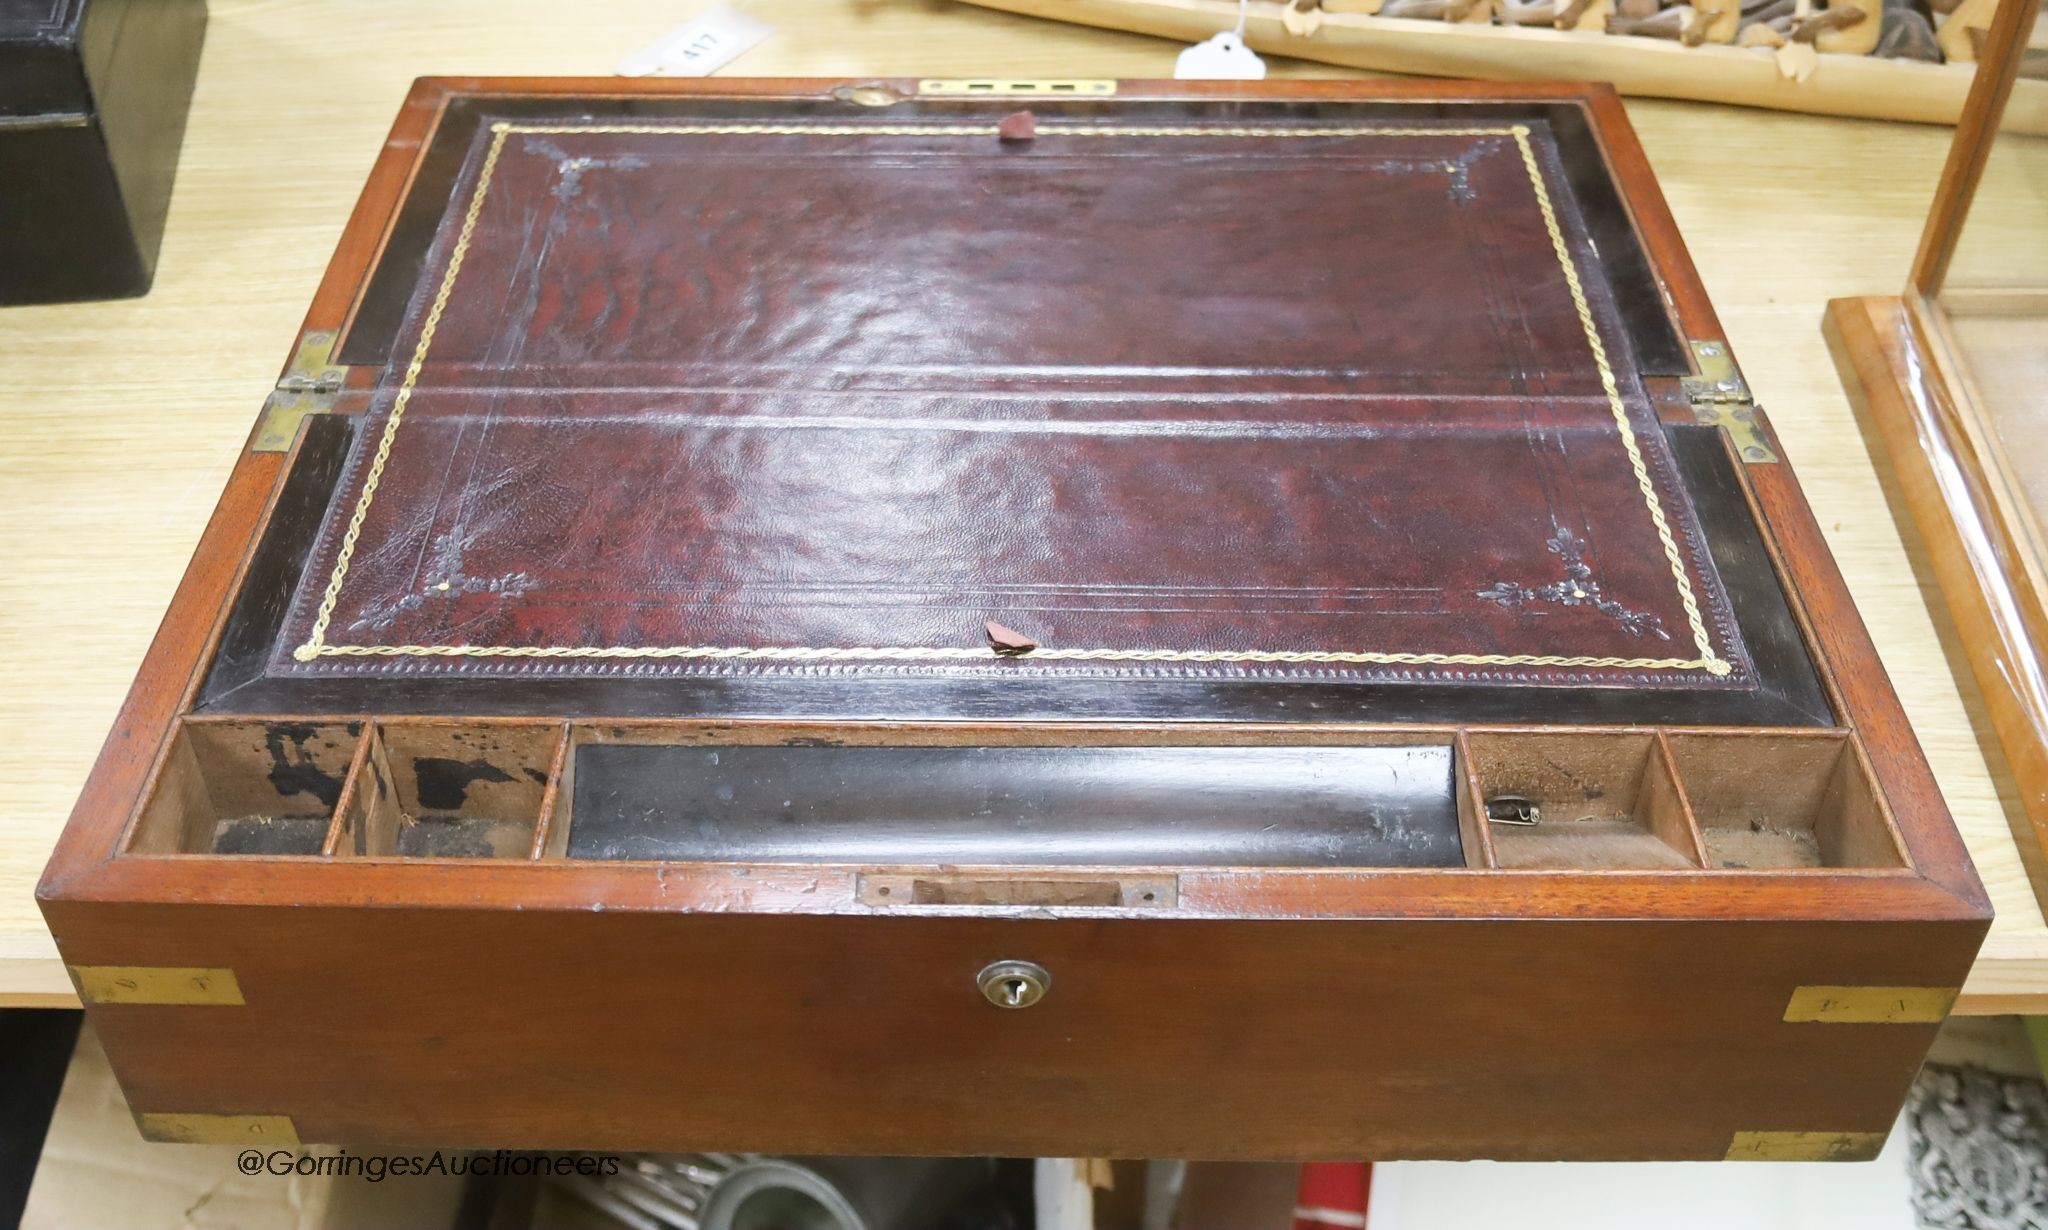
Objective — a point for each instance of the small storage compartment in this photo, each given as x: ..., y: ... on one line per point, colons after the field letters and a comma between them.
x: 246, y: 788
x: 1773, y: 800
x: 1069, y: 806
x: 1581, y: 800
x: 448, y: 791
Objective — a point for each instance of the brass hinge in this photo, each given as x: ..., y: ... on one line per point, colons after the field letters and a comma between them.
x: 309, y: 386
x: 998, y: 87
x: 1720, y: 398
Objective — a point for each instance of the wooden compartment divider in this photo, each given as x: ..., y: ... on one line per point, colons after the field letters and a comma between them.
x: 1472, y: 823
x: 553, y: 802
x: 1695, y: 840
x: 341, y: 828
x: 1642, y: 799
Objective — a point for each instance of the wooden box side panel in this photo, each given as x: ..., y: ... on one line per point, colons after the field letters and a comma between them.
x: 1976, y: 555
x: 1164, y: 1038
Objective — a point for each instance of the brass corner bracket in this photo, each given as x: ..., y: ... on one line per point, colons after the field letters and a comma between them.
x: 156, y: 984
x: 178, y: 1128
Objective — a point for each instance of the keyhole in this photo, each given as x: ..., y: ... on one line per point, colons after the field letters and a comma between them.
x: 1013, y: 984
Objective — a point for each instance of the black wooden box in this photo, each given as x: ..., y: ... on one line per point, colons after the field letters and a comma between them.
x: 93, y: 96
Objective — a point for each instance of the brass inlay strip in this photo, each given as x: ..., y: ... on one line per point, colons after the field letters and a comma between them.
x: 155, y: 984
x: 183, y: 1129
x: 999, y: 87
x: 1805, y: 1146
x: 316, y: 645
x: 1872, y: 1005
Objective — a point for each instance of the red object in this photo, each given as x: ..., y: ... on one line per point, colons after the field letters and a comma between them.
x: 1333, y: 1196
x: 1009, y: 641
x: 1018, y: 126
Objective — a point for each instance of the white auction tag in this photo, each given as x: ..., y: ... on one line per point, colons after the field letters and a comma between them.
x: 698, y: 48
x: 1222, y: 58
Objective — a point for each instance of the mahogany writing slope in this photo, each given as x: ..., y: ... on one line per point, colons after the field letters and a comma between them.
x: 1209, y: 620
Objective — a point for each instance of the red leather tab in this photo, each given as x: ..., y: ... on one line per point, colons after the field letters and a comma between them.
x: 1009, y: 642
x: 1018, y: 126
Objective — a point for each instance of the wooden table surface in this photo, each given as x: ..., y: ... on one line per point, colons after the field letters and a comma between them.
x: 122, y: 419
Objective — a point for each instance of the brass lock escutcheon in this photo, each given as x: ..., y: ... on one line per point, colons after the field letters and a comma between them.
x: 1014, y: 984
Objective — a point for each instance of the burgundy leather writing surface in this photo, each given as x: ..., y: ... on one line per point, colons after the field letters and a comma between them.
x: 1199, y: 400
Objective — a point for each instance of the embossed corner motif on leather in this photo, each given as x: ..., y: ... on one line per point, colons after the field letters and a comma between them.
x: 1578, y: 588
